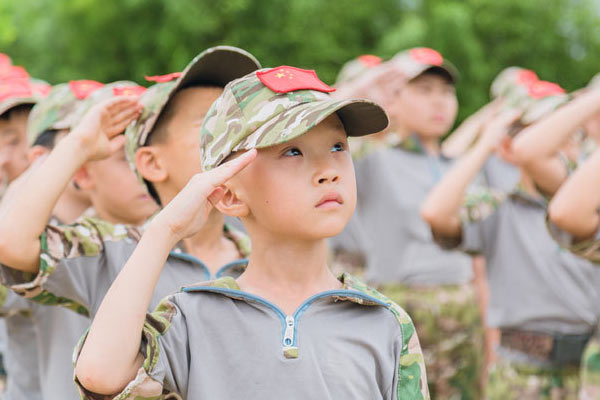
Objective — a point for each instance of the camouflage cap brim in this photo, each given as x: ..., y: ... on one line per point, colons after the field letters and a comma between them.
x: 359, y: 117
x: 14, y: 102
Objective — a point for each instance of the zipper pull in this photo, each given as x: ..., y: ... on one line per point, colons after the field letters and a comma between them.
x: 289, y: 350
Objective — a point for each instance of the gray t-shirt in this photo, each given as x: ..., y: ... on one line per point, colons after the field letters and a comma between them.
x: 215, y: 341
x: 387, y: 227
x: 534, y: 284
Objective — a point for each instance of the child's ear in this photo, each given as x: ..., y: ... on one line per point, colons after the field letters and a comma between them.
x: 82, y: 179
x: 231, y: 204
x: 36, y: 152
x: 505, y: 150
x: 148, y: 162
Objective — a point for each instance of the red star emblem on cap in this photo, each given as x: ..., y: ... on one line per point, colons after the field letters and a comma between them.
x: 163, y: 78
x: 541, y: 89
x: 83, y: 88
x: 128, y: 90
x: 287, y: 79
x: 12, y: 72
x: 425, y: 55
x: 527, y: 77
x: 369, y: 60
x: 4, y: 59
x: 13, y: 89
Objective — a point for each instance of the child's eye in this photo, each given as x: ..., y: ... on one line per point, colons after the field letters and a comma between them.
x: 293, y: 152
x: 338, y: 147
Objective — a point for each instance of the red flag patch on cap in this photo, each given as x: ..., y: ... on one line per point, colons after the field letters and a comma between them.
x: 527, y: 77
x: 425, y: 55
x: 369, y: 60
x: 128, y: 90
x: 286, y: 79
x: 12, y: 72
x: 163, y: 78
x: 4, y: 59
x: 541, y: 89
x: 13, y: 89
x: 83, y: 88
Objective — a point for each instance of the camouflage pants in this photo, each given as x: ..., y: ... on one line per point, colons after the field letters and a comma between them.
x: 508, y: 380
x: 450, y: 330
x: 590, y: 371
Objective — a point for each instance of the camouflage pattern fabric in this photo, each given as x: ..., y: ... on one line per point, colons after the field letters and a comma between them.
x: 588, y: 249
x: 411, y: 368
x: 509, y: 380
x: 21, y: 91
x: 450, y: 330
x: 355, y: 68
x: 56, y: 111
x: 413, y: 62
x: 590, y: 371
x: 250, y: 115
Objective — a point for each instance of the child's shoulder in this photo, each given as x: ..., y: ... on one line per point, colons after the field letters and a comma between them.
x: 354, y: 283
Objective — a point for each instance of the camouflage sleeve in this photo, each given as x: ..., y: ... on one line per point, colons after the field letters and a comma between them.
x: 11, y: 304
x: 588, y: 249
x: 164, y: 338
x: 71, y: 258
x: 477, y: 215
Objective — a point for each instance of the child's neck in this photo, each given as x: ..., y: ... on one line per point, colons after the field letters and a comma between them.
x: 287, y: 272
x: 69, y: 207
x: 210, y: 245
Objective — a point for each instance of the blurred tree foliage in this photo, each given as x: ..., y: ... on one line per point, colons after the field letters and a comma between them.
x: 58, y: 40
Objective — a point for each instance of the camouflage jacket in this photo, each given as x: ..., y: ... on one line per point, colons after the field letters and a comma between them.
x: 351, y: 343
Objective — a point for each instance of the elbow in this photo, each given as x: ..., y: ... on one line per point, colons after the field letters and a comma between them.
x: 521, y: 153
x: 96, y: 378
x: 431, y: 215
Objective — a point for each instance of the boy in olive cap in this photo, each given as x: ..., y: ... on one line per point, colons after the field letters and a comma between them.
x: 433, y: 285
x: 543, y: 299
x: 320, y: 337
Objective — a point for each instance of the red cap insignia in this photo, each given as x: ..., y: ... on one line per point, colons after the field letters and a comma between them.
x: 82, y: 89
x: 527, y: 77
x: 12, y: 72
x: 425, y: 55
x: 163, y: 78
x: 5, y: 60
x: 128, y: 90
x: 12, y: 89
x: 541, y: 89
x: 286, y: 79
x: 369, y: 60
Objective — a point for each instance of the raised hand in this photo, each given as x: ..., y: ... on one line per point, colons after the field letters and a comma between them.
x: 99, y: 129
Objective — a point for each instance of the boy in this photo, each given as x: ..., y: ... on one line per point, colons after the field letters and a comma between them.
x: 346, y: 341
x: 435, y: 286
x: 544, y: 300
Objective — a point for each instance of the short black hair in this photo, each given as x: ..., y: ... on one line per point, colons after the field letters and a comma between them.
x: 442, y: 73
x: 12, y: 112
x: 47, y: 139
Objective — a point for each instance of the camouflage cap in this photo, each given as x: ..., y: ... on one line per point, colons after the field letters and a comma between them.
x: 413, y: 62
x: 108, y: 91
x: 356, y: 67
x: 512, y: 84
x: 266, y: 107
x: 16, y: 92
x: 215, y: 66
x: 58, y: 109
x: 545, y: 97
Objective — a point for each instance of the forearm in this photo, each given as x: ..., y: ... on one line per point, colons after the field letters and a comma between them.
x: 545, y: 138
x: 442, y: 207
x: 462, y: 138
x: 575, y: 207
x: 110, y: 357
x: 27, y: 211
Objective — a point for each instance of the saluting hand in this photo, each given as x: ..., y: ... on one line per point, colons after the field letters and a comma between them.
x: 188, y: 211
x: 99, y: 130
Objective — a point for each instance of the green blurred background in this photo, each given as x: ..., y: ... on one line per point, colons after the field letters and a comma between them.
x: 59, y: 40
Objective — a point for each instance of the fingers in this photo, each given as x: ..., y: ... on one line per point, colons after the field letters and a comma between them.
x: 117, y: 143
x: 223, y: 173
x: 119, y: 122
